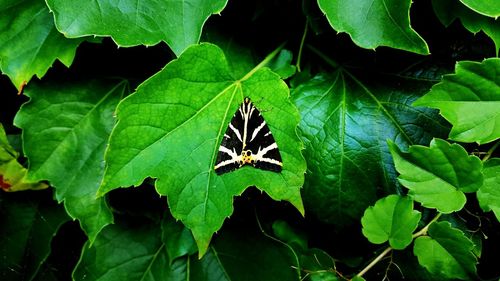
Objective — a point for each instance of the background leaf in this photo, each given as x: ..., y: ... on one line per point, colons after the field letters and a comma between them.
x: 131, y: 23
x: 171, y: 129
x: 488, y: 8
x: 449, y: 10
x: 438, y: 175
x: 392, y: 219
x: 489, y: 194
x: 375, y: 23
x: 345, y: 123
x: 28, y: 222
x: 29, y: 41
x: 459, y: 96
x: 65, y: 131
x: 446, y: 252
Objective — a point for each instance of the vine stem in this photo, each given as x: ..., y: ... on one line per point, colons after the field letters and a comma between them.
x: 490, y: 151
x: 387, y: 250
x: 263, y: 63
x: 301, y: 47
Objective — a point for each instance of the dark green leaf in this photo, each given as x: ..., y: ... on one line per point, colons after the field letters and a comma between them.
x: 446, y: 252
x: 391, y: 219
x: 449, y: 10
x: 470, y: 100
x: 28, y: 222
x: 178, y: 239
x: 282, y: 64
x: 65, y: 131
x: 171, y: 129
x: 29, y: 41
x: 131, y: 23
x: 489, y: 194
x: 345, y: 124
x: 438, y: 176
x: 374, y: 23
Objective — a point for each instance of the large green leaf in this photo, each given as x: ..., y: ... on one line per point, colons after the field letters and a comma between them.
x: 65, y: 131
x: 485, y: 7
x: 446, y: 252
x: 28, y: 221
x: 449, y: 10
x: 438, y: 175
x: 374, y: 23
x: 131, y: 23
x: 171, y: 129
x: 470, y: 100
x: 489, y: 194
x: 391, y: 219
x: 29, y: 41
x: 345, y: 124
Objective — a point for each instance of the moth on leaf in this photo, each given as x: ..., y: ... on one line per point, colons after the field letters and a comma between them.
x: 248, y: 141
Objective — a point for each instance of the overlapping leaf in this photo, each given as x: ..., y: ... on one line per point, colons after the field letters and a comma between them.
x: 131, y: 23
x: 446, y: 252
x: 391, y: 219
x: 28, y: 223
x: 470, y: 100
x: 345, y: 124
x: 29, y: 41
x: 171, y: 129
x: 438, y: 175
x: 488, y: 8
x: 449, y: 10
x: 65, y: 131
x: 489, y: 194
x: 374, y: 23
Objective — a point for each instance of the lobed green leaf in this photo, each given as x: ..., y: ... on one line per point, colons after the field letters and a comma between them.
x: 446, y: 252
x: 132, y: 23
x: 65, y: 131
x: 374, y: 23
x: 469, y: 100
x: 392, y: 219
x: 488, y: 195
x: 29, y: 41
x: 438, y: 175
x: 345, y: 123
x: 171, y: 129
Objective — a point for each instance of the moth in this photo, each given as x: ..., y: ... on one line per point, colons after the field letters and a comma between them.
x: 248, y: 141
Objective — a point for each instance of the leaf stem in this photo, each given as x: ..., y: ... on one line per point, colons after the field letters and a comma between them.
x: 421, y: 232
x: 490, y: 151
x: 301, y: 47
x: 374, y: 262
x: 263, y: 63
x: 323, y: 56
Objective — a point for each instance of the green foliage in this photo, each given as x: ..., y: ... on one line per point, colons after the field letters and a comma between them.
x: 446, y: 252
x: 391, y: 219
x: 385, y: 148
x: 459, y: 96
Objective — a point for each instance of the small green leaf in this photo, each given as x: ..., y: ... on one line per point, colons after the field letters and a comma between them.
x: 449, y: 10
x: 391, y: 219
x: 438, y: 175
x: 489, y: 194
x: 345, y: 123
x: 469, y: 100
x: 29, y: 41
x: 65, y: 131
x: 282, y: 64
x: 28, y: 222
x: 132, y: 23
x: 484, y: 7
x: 446, y: 252
x: 12, y: 173
x: 177, y: 238
x: 374, y: 23
x: 171, y: 129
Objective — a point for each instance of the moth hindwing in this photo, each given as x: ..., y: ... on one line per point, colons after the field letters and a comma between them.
x: 248, y: 141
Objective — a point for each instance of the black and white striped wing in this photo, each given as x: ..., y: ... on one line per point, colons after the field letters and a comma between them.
x: 248, y: 141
